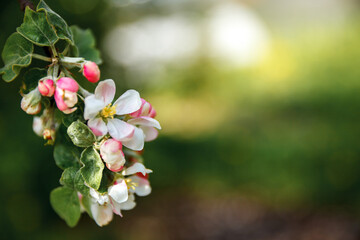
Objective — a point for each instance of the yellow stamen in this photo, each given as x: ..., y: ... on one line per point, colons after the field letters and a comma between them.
x: 108, y: 111
x: 131, y: 184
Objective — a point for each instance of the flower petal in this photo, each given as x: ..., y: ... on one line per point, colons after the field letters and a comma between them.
x: 38, y: 126
x: 136, y: 142
x: 145, y: 121
x: 129, y: 204
x: 119, y: 129
x: 143, y: 187
x: 92, y: 106
x: 105, y: 91
x: 98, y: 126
x: 127, y: 103
x: 135, y: 168
x: 116, y: 207
x: 150, y: 133
x: 119, y: 192
x: 101, y: 214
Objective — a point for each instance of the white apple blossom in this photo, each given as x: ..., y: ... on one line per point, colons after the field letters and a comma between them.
x: 102, y: 114
x: 103, y: 205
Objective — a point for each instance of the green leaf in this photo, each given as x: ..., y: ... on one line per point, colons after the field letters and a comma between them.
x: 80, y: 134
x: 106, y: 181
x: 80, y: 185
x: 66, y: 156
x: 86, y: 202
x: 66, y: 204
x: 37, y: 29
x: 93, y: 167
x: 16, y: 55
x: 32, y: 77
x: 85, y: 45
x: 61, y: 28
x: 68, y: 177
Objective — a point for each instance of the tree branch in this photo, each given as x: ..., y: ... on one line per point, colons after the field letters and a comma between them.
x: 26, y: 3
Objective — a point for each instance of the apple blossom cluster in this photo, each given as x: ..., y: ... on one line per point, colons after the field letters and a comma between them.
x: 98, y: 141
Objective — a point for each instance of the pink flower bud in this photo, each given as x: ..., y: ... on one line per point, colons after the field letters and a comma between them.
x: 145, y: 110
x: 46, y: 87
x: 112, y: 154
x: 31, y: 102
x: 91, y: 72
x: 65, y: 94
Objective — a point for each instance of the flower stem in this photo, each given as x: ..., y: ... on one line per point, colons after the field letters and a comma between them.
x: 83, y: 91
x: 41, y: 57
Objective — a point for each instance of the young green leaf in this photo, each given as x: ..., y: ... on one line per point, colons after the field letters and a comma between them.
x: 106, y: 181
x: 61, y: 28
x: 68, y: 177
x: 80, y: 134
x: 85, y: 45
x: 86, y: 202
x: 66, y: 156
x: 16, y: 55
x: 93, y: 167
x: 37, y: 29
x: 66, y: 204
x: 79, y: 184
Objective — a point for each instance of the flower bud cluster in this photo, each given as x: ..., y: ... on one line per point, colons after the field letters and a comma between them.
x: 121, y: 128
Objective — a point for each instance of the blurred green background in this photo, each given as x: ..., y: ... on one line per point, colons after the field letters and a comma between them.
x: 260, y: 107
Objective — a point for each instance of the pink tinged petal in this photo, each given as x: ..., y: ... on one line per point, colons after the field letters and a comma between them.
x: 137, y: 167
x: 145, y: 121
x: 101, y: 214
x: 92, y: 107
x: 91, y: 72
x: 127, y: 103
x: 98, y: 126
x: 70, y: 110
x: 152, y: 113
x: 46, y: 87
x: 68, y: 84
x: 150, y: 133
x: 146, y: 109
x: 129, y: 204
x: 143, y: 187
x: 60, y: 103
x: 136, y: 142
x: 70, y: 98
x: 138, y: 112
x: 116, y: 207
x: 119, y: 192
x: 112, y: 155
x: 115, y: 167
x: 105, y: 91
x: 119, y: 129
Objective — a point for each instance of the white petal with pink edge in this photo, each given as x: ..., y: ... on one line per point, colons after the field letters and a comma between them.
x: 93, y: 106
x: 105, y: 91
x: 119, y: 129
x: 127, y: 103
x: 119, y: 192
x: 98, y: 126
x: 135, y: 168
x: 101, y: 214
x: 136, y: 142
x: 150, y: 133
x: 143, y: 187
x: 145, y: 121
